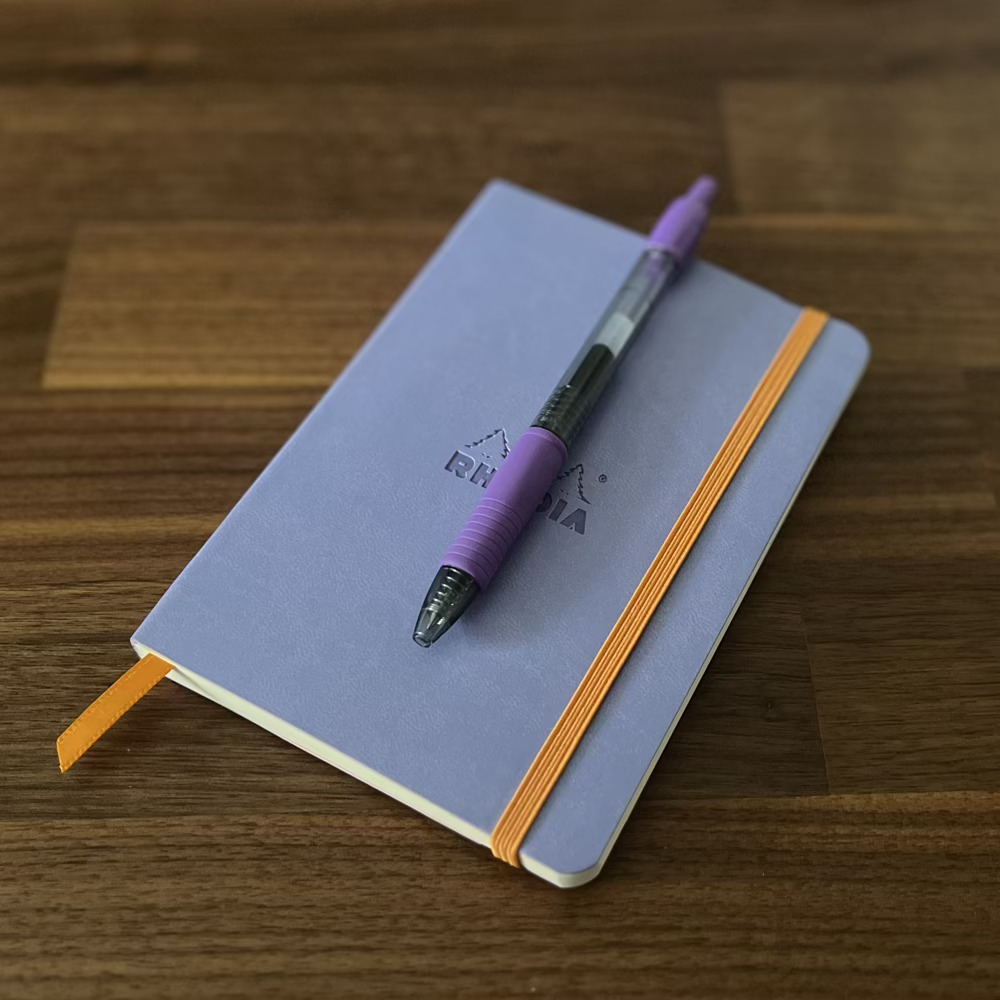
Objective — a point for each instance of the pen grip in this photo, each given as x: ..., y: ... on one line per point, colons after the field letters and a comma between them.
x: 513, y: 494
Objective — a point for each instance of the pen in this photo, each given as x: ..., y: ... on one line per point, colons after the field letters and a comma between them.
x: 519, y: 485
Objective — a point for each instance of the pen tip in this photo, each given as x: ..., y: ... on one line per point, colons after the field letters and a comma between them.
x: 450, y: 594
x: 429, y: 629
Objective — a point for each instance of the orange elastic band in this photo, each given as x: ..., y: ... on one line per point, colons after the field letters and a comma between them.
x: 555, y: 754
x: 100, y: 716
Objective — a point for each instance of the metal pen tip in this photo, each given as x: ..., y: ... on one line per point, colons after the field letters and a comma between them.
x: 430, y: 627
x: 449, y: 595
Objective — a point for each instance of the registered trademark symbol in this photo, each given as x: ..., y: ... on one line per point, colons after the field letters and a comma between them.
x: 602, y: 478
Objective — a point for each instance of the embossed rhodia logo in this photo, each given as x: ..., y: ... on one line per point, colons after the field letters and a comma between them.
x: 565, y: 503
x: 478, y: 461
x: 565, y: 498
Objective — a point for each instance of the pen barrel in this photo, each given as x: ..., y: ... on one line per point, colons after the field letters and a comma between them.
x: 583, y: 383
x: 512, y: 496
x: 570, y: 403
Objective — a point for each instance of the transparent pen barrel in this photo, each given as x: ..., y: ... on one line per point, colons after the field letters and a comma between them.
x: 573, y: 398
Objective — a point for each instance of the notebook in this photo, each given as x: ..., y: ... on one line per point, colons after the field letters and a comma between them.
x: 297, y: 613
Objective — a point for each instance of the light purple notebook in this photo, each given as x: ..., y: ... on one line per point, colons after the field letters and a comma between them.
x: 298, y: 611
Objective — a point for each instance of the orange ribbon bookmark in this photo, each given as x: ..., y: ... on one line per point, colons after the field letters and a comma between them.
x: 109, y: 708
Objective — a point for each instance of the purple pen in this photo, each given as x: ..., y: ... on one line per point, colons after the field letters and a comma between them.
x: 519, y: 485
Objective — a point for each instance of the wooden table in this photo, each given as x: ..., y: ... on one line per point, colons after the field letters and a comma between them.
x: 205, y: 209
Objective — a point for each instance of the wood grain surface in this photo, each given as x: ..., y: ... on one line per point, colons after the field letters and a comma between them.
x: 204, y: 210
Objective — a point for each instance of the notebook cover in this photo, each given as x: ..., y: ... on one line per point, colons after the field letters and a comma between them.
x: 302, y: 603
